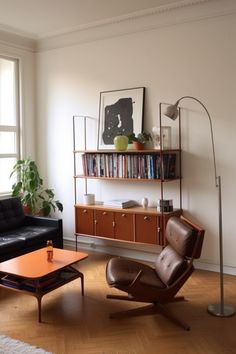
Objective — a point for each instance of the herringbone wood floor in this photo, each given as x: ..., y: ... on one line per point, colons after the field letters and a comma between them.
x: 72, y: 324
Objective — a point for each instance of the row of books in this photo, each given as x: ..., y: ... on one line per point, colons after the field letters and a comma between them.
x: 117, y: 165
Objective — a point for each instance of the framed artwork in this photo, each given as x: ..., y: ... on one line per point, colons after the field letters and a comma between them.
x: 161, y: 140
x: 120, y: 113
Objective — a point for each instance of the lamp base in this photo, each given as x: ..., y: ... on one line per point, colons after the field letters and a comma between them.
x: 221, y: 310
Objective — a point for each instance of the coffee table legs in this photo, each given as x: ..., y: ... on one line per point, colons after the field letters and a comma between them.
x: 82, y: 282
x: 39, y: 297
x: 81, y: 276
x: 39, y: 309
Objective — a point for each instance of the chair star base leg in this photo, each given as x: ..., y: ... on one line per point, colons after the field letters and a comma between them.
x: 150, y: 310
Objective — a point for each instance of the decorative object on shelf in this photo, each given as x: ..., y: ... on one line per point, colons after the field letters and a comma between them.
x: 121, y: 142
x: 165, y: 205
x: 145, y: 202
x: 220, y: 309
x: 156, y: 138
x: 89, y: 199
x: 120, y: 203
x: 120, y: 113
x: 161, y: 140
x: 29, y: 187
x: 139, y: 140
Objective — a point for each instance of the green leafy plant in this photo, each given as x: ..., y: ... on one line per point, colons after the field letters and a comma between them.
x: 141, y: 137
x: 48, y: 203
x: 28, y: 183
x: 29, y: 187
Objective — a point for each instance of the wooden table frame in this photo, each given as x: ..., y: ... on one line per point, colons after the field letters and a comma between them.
x: 36, y: 276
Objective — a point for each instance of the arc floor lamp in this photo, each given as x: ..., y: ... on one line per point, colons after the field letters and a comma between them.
x: 220, y: 309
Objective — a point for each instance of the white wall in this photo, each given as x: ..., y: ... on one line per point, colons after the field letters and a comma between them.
x: 195, y: 58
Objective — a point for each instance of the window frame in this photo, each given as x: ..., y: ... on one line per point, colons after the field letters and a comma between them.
x: 17, y: 127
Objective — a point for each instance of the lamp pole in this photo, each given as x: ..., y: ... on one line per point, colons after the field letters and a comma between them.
x: 220, y: 309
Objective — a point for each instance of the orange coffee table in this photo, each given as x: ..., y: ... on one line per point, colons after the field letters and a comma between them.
x: 33, y: 274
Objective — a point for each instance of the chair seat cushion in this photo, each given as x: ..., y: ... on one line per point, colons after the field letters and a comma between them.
x: 121, y: 271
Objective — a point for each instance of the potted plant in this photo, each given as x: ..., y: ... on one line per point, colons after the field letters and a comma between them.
x: 27, y: 184
x: 29, y: 187
x: 48, y: 202
x: 139, y: 140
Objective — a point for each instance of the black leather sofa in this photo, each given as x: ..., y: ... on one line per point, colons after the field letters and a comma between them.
x: 20, y: 233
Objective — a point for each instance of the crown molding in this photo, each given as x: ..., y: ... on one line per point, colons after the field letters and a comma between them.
x: 179, y: 12
x: 127, y: 17
x: 16, y: 41
x: 167, y: 15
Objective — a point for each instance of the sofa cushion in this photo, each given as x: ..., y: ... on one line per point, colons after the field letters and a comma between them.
x: 11, y: 214
x: 10, y: 245
x: 31, y: 235
x: 20, y: 234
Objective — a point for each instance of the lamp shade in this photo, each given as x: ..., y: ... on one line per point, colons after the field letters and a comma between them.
x: 172, y: 111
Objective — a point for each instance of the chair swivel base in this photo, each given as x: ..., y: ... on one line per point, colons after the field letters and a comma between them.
x: 148, y: 310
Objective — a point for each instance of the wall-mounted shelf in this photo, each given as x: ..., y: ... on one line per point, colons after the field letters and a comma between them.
x: 134, y: 224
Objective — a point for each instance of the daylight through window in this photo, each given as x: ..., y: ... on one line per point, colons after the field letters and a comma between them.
x: 9, y: 121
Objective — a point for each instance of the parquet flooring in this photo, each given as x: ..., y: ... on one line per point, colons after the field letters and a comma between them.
x: 72, y: 324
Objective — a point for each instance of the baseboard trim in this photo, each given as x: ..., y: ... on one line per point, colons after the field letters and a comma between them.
x: 134, y: 253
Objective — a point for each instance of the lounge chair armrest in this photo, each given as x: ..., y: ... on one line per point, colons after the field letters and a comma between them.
x: 136, y: 279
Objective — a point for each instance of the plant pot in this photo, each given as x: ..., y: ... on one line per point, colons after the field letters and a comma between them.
x: 27, y: 209
x: 39, y: 212
x: 138, y: 146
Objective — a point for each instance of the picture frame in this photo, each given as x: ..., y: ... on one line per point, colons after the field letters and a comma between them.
x: 120, y: 113
x: 161, y: 137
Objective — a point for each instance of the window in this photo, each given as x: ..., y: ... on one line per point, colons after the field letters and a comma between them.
x: 9, y: 121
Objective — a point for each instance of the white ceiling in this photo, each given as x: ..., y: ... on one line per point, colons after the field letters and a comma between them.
x: 43, y: 18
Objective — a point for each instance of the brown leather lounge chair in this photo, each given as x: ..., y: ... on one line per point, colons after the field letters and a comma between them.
x: 160, y: 284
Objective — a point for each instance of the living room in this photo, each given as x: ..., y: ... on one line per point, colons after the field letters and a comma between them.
x: 173, y: 49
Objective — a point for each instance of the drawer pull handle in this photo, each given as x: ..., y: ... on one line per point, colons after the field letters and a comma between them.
x: 158, y: 229
x: 104, y: 213
x: 146, y: 218
x: 84, y: 211
x: 123, y: 215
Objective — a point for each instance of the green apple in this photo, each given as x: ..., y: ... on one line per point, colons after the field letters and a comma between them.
x: 121, y: 142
